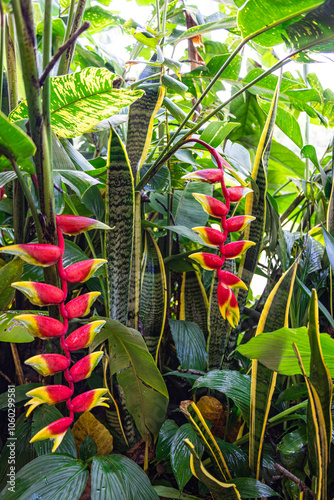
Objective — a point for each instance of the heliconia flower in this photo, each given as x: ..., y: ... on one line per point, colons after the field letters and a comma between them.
x: 50, y: 394
x: 79, y: 307
x: 213, y: 207
x: 230, y: 280
x: 238, y: 223
x: 82, y: 271
x: 38, y: 254
x: 83, y: 368
x: 236, y: 193
x: 211, y: 237
x: 210, y: 175
x: 228, y: 305
x: 83, y: 336
x: 75, y: 224
x: 56, y: 430
x: 208, y: 261
x: 88, y: 400
x: 48, y: 364
x: 237, y: 248
x: 40, y: 294
x: 42, y: 327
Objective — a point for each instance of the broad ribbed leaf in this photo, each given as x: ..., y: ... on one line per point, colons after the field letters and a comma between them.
x: 180, y: 455
x: 166, y: 436
x: 79, y: 101
x: 119, y: 217
x: 186, y: 210
x: 153, y: 296
x: 275, y: 351
x: 193, y: 301
x: 190, y: 344
x: 231, y: 383
x: 144, y: 388
x: 51, y: 477
x: 115, y: 477
x: 286, y: 122
x: 14, y: 143
x: 257, y: 15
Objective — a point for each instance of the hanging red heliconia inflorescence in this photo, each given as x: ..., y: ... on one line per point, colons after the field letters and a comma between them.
x: 227, y: 301
x: 42, y: 294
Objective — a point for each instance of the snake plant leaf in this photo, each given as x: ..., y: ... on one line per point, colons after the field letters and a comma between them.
x: 217, y: 489
x: 255, y: 207
x: 315, y: 26
x: 119, y: 217
x: 9, y: 273
x: 193, y: 301
x: 180, y: 454
x: 116, y: 476
x: 144, y: 388
x: 258, y: 15
x: 153, y: 297
x: 202, y: 430
x: 79, y: 101
x: 14, y: 143
x: 316, y: 429
x: 321, y: 381
x: 190, y: 344
x: 275, y: 314
x: 140, y: 123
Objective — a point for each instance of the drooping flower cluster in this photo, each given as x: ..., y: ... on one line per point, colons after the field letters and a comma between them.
x: 44, y: 327
x: 227, y: 301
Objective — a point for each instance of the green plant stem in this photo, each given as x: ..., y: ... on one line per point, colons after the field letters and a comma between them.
x: 46, y: 92
x: 66, y: 59
x: 29, y: 198
x: 158, y: 14
x: 67, y: 32
x: 164, y: 156
x: 2, y: 45
x: 11, y: 63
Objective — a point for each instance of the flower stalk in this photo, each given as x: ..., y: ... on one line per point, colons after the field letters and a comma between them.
x: 227, y: 301
x: 45, y: 327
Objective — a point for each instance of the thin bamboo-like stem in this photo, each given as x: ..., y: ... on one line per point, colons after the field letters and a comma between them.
x: 47, y: 48
x: 17, y: 363
x: 11, y: 63
x: 29, y: 198
x: 68, y: 31
x: 66, y: 59
x: 2, y: 45
x: 169, y: 150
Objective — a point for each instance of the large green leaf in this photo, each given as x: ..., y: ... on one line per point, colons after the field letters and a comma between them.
x: 115, y: 477
x: 11, y: 331
x: 225, y: 23
x: 231, y: 383
x: 145, y: 391
x: 190, y: 344
x: 275, y: 351
x: 186, y: 210
x: 315, y: 26
x: 51, y: 477
x: 180, y: 454
x: 9, y: 273
x: 166, y: 436
x: 119, y: 217
x: 286, y: 122
x: 257, y: 15
x: 14, y: 143
x: 79, y: 101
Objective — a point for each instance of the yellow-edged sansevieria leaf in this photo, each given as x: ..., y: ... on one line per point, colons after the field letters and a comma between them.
x: 79, y: 101
x: 275, y: 315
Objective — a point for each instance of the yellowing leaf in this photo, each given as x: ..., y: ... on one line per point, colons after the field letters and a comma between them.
x: 88, y: 425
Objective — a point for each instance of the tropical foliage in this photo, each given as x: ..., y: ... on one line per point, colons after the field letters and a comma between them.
x: 142, y: 201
